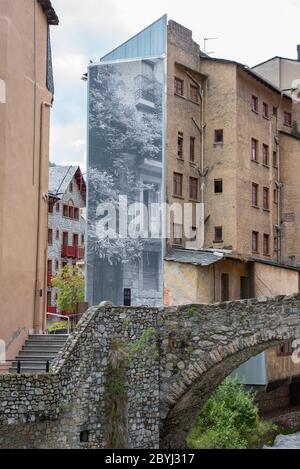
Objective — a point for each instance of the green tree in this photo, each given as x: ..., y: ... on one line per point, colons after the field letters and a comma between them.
x: 70, y: 286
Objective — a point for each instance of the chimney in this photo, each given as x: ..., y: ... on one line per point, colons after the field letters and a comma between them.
x: 298, y: 50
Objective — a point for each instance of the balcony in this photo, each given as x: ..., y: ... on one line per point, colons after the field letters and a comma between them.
x: 80, y: 252
x: 69, y: 251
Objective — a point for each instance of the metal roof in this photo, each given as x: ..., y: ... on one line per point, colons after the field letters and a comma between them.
x: 189, y: 256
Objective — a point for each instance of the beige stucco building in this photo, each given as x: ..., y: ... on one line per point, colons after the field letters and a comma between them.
x: 26, y: 92
x: 233, y: 152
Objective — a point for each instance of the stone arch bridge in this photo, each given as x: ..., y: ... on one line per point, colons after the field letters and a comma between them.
x: 198, y: 346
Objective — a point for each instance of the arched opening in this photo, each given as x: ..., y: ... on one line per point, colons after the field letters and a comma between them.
x: 181, y: 417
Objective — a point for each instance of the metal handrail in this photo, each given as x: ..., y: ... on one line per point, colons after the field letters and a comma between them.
x: 61, y: 316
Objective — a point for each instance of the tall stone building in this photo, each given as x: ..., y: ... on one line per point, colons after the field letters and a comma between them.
x: 213, y: 139
x: 26, y: 95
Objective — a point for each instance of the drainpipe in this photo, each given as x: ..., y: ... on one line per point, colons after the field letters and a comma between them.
x: 279, y: 184
x: 38, y: 291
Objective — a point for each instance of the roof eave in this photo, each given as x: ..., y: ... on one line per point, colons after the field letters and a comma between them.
x: 49, y: 11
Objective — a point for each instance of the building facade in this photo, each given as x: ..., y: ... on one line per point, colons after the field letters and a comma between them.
x: 228, y: 154
x: 26, y: 95
x: 66, y: 224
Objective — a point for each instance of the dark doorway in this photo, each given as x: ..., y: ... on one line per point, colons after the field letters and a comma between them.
x: 224, y: 287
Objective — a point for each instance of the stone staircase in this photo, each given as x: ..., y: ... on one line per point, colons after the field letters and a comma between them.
x: 38, y: 353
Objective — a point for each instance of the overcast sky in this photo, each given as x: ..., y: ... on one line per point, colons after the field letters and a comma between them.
x: 249, y: 31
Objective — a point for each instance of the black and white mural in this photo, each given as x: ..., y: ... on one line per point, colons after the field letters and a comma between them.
x: 125, y: 174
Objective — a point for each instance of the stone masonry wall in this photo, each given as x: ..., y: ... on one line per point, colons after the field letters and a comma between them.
x: 198, y: 345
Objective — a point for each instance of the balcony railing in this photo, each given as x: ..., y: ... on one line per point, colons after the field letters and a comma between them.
x: 75, y: 252
x: 69, y: 251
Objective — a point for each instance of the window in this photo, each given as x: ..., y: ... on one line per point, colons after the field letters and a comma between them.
x: 71, y: 187
x: 266, y: 198
x: 219, y: 136
x: 49, y: 267
x: 65, y: 210
x: 127, y: 297
x: 65, y: 238
x: 194, y: 93
x: 57, y: 207
x: 76, y: 213
x: 50, y: 236
x: 177, y: 184
x: 265, y: 110
x: 224, y: 287
x: 254, y: 150
x: 218, y: 186
x: 274, y: 159
x: 285, y: 350
x: 288, y: 119
x: 177, y: 234
x: 266, y: 245
x: 275, y: 196
x: 56, y: 265
x: 255, y: 195
x: 179, y: 86
x: 266, y: 158
x: 180, y: 145
x: 254, y: 103
x: 50, y: 206
x: 71, y: 211
x: 82, y: 239
x: 57, y: 234
x: 150, y: 271
x: 192, y: 149
x: 218, y: 234
x: 275, y: 111
x: 255, y: 239
x: 194, y: 188
x: 75, y: 239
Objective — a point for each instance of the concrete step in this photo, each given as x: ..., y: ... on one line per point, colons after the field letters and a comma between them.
x: 48, y: 337
x: 50, y: 348
x: 36, y: 356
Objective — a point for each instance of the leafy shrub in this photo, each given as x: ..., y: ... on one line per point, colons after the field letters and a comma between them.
x: 229, y: 419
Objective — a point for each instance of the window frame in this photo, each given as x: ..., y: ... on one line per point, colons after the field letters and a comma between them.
x: 255, y: 195
x: 255, y: 241
x: 266, y: 198
x: 177, y: 81
x: 177, y: 182
x: 254, y: 149
x: 192, y: 187
x: 218, y: 141
x: 192, y: 149
x: 266, y: 244
x: 254, y: 103
x: 218, y: 239
x: 266, y: 155
x: 180, y: 143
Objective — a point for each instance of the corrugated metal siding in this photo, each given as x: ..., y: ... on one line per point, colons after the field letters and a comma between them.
x: 253, y: 372
x: 151, y: 42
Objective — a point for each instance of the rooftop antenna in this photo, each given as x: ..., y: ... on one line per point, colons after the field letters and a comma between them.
x: 205, y: 41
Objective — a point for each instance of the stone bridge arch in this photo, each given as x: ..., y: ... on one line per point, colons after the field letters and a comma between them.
x: 198, y: 346
x: 209, y: 343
